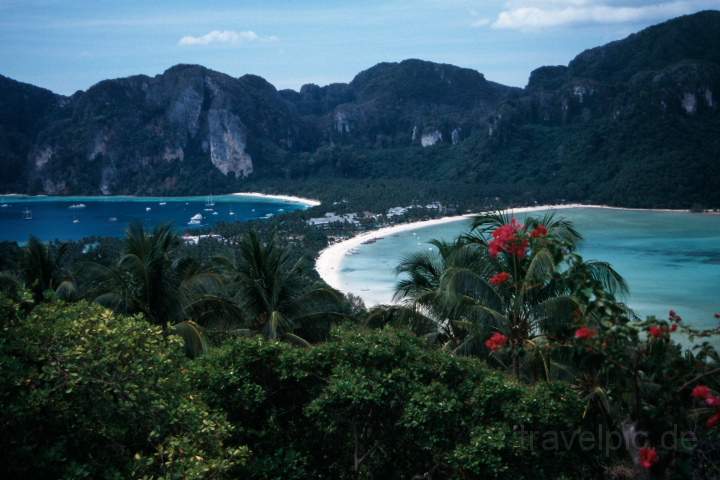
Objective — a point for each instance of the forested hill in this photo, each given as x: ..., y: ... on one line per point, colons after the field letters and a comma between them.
x: 635, y: 122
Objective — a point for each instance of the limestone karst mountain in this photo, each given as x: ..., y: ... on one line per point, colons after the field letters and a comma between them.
x: 636, y: 121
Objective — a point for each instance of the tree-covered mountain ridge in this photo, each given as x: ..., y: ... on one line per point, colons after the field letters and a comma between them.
x: 634, y: 122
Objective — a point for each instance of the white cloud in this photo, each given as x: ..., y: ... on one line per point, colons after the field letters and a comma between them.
x: 538, y: 14
x: 226, y: 36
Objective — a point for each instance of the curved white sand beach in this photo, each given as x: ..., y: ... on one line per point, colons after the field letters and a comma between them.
x: 329, y: 262
x: 310, y: 202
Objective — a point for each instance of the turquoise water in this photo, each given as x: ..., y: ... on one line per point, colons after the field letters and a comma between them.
x: 670, y: 260
x: 72, y: 218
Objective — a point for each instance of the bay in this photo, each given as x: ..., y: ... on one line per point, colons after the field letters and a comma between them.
x: 669, y: 259
x: 72, y: 218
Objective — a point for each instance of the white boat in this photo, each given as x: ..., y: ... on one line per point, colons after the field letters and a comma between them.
x: 76, y: 221
x: 4, y: 205
x: 77, y: 205
x: 147, y: 209
x: 215, y: 213
x: 162, y: 204
x: 113, y: 219
x: 27, y: 214
x: 231, y: 212
x: 209, y: 202
x: 195, y: 219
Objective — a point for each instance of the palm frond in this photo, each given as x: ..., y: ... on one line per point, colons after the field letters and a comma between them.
x: 196, y: 342
x: 608, y: 277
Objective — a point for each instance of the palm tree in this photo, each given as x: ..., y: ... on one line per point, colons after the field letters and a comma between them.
x: 150, y: 278
x: 421, y: 291
x: 271, y: 295
x: 42, y: 270
x: 525, y: 282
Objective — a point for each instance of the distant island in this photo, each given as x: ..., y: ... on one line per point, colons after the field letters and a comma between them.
x: 631, y: 123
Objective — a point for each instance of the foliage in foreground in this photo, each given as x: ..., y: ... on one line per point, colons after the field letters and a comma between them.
x: 86, y: 393
x: 520, y: 296
x: 102, y: 394
x: 381, y: 404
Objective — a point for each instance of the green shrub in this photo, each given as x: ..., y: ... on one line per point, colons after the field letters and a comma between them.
x: 86, y: 393
x: 381, y: 404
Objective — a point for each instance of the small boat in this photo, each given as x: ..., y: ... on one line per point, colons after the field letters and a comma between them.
x: 208, y: 209
x: 113, y: 219
x: 76, y: 221
x: 162, y: 204
x: 195, y: 219
x: 77, y: 205
x: 27, y: 214
x: 210, y: 202
x: 147, y: 209
x: 231, y: 212
x: 4, y: 205
x: 215, y: 213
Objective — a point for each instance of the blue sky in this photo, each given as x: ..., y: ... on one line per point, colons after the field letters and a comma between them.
x: 70, y: 45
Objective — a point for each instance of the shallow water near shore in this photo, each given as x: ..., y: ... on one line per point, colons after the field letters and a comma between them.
x: 72, y: 218
x: 669, y: 259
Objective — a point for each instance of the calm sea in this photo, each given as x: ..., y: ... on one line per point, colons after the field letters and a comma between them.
x: 72, y: 218
x: 670, y: 260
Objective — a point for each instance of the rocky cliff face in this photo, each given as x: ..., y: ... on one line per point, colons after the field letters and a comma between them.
x: 185, y: 121
x: 143, y: 134
x: 607, y: 122
x: 633, y: 118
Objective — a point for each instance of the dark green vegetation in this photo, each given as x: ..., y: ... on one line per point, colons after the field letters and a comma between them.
x: 88, y: 394
x: 635, y: 123
x: 510, y: 356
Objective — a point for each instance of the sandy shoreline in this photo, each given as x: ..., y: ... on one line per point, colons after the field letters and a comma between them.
x: 310, y: 202
x: 329, y: 262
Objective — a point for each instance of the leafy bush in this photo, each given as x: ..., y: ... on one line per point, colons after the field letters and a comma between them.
x: 381, y: 404
x: 86, y: 393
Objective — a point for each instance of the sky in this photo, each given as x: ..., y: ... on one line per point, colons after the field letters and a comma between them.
x: 69, y: 45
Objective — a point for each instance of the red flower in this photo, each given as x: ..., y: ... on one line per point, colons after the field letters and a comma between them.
x: 712, y: 401
x: 656, y: 331
x: 539, y: 231
x: 713, y: 421
x: 507, y: 239
x: 701, y: 392
x: 673, y: 327
x: 500, y: 278
x: 584, y: 333
x: 496, y: 341
x: 518, y: 248
x: 648, y: 457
